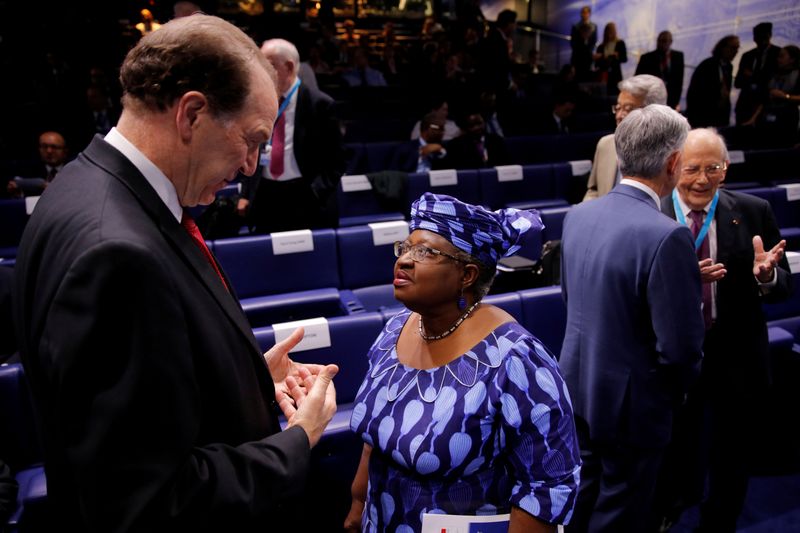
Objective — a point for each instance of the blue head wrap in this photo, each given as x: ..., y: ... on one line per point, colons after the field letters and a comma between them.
x: 485, y: 235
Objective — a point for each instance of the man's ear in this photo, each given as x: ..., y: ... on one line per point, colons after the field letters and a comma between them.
x: 673, y: 162
x: 190, y: 107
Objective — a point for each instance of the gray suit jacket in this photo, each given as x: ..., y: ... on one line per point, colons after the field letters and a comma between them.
x: 604, y: 169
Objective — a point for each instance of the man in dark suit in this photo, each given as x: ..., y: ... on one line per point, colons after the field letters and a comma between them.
x: 496, y: 52
x: 53, y: 155
x: 295, y: 184
x: 634, y: 328
x: 755, y: 70
x: 742, y: 264
x: 159, y: 411
x: 475, y: 148
x: 423, y: 154
x: 667, y: 64
x: 708, y: 99
x: 583, y: 41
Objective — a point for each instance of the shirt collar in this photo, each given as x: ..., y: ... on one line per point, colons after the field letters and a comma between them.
x: 154, y: 176
x: 642, y: 187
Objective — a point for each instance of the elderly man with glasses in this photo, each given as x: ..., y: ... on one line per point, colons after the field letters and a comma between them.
x: 742, y: 264
x: 634, y: 93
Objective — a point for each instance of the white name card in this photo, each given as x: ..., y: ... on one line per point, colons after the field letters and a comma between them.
x: 581, y: 167
x: 736, y: 156
x: 317, y: 333
x: 509, y: 173
x: 436, y: 523
x: 794, y: 261
x: 388, y: 232
x: 30, y: 203
x: 442, y: 178
x: 358, y: 182
x: 292, y: 242
x: 792, y: 191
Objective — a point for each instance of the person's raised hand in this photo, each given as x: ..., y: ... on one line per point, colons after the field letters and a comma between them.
x: 315, y: 402
x: 764, y: 262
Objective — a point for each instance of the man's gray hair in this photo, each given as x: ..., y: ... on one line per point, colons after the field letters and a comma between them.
x: 285, y: 50
x: 723, y: 147
x: 646, y: 138
x: 650, y: 88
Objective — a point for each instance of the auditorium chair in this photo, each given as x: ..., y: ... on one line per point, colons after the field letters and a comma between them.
x: 275, y: 281
x: 553, y: 219
x: 21, y: 449
x: 360, y: 204
x: 462, y: 184
x: 521, y: 187
x: 544, y: 314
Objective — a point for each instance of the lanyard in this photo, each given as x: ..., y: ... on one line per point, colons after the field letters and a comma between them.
x: 706, y: 225
x: 285, y: 103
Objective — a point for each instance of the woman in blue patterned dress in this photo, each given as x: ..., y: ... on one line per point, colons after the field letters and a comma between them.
x: 463, y: 411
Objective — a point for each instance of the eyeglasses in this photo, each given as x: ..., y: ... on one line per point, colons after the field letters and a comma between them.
x: 712, y: 171
x: 420, y: 252
x: 616, y: 108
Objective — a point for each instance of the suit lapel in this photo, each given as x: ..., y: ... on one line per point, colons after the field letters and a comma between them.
x: 728, y: 219
x: 107, y: 157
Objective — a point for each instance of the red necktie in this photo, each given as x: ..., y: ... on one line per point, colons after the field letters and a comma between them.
x: 704, y: 252
x: 278, y: 136
x: 194, y: 232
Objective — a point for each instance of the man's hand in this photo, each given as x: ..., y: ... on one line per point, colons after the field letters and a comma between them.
x: 430, y: 148
x: 315, y: 399
x: 711, y: 272
x: 282, y: 367
x: 764, y: 263
x: 242, y: 205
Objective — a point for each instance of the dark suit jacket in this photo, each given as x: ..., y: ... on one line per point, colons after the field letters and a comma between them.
x: 318, y: 149
x: 650, y: 63
x: 158, y: 408
x: 406, y: 158
x: 634, y: 329
x: 738, y: 364
x: 753, y: 84
x: 463, y: 154
x: 705, y: 103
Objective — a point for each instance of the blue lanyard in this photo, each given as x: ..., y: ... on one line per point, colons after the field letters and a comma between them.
x: 706, y: 225
x: 286, y: 101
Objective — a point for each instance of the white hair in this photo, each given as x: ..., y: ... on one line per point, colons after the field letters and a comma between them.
x: 647, y: 137
x: 650, y: 88
x: 284, y: 50
x: 723, y: 147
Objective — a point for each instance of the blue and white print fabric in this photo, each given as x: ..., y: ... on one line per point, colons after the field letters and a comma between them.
x: 485, y: 235
x: 490, y: 430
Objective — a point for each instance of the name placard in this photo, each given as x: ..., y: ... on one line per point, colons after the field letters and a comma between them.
x: 317, y: 333
x: 30, y: 203
x: 580, y: 167
x: 792, y: 191
x: 509, y: 173
x: 794, y: 261
x: 388, y: 232
x: 357, y: 182
x: 736, y: 156
x: 437, y: 523
x: 442, y: 178
x: 292, y: 242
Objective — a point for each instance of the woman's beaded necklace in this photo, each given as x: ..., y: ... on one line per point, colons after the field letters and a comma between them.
x: 458, y: 322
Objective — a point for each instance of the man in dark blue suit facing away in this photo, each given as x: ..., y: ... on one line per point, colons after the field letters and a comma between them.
x: 634, y: 331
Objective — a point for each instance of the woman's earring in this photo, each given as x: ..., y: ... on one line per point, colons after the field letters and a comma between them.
x: 462, y: 303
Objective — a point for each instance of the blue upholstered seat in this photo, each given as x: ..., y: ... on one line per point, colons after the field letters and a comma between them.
x: 544, y: 314
x: 466, y: 188
x: 553, y: 218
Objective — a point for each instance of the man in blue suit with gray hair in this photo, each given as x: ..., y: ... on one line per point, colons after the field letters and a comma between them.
x: 634, y: 333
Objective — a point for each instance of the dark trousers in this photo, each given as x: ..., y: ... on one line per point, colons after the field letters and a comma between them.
x: 617, y: 486
x: 291, y: 205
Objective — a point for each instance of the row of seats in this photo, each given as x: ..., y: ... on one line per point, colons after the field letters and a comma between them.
x: 343, y: 340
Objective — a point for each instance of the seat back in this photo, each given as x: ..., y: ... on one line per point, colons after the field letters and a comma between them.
x: 536, y: 183
x: 20, y: 438
x: 465, y: 186
x: 545, y: 315
x: 255, y: 269
x: 359, y: 204
x: 350, y: 338
x: 366, y: 254
x: 553, y: 219
x: 13, y: 219
x: 776, y: 196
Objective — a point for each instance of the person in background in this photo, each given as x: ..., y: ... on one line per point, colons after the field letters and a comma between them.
x: 708, y: 99
x: 583, y: 41
x: 776, y: 118
x: 475, y: 147
x: 424, y: 154
x: 742, y: 264
x: 611, y: 53
x: 462, y: 411
x: 361, y: 74
x: 441, y: 108
x: 294, y: 186
x: 634, y: 93
x: 160, y: 413
x: 634, y: 332
x: 756, y: 68
x: 667, y: 64
x: 53, y: 155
